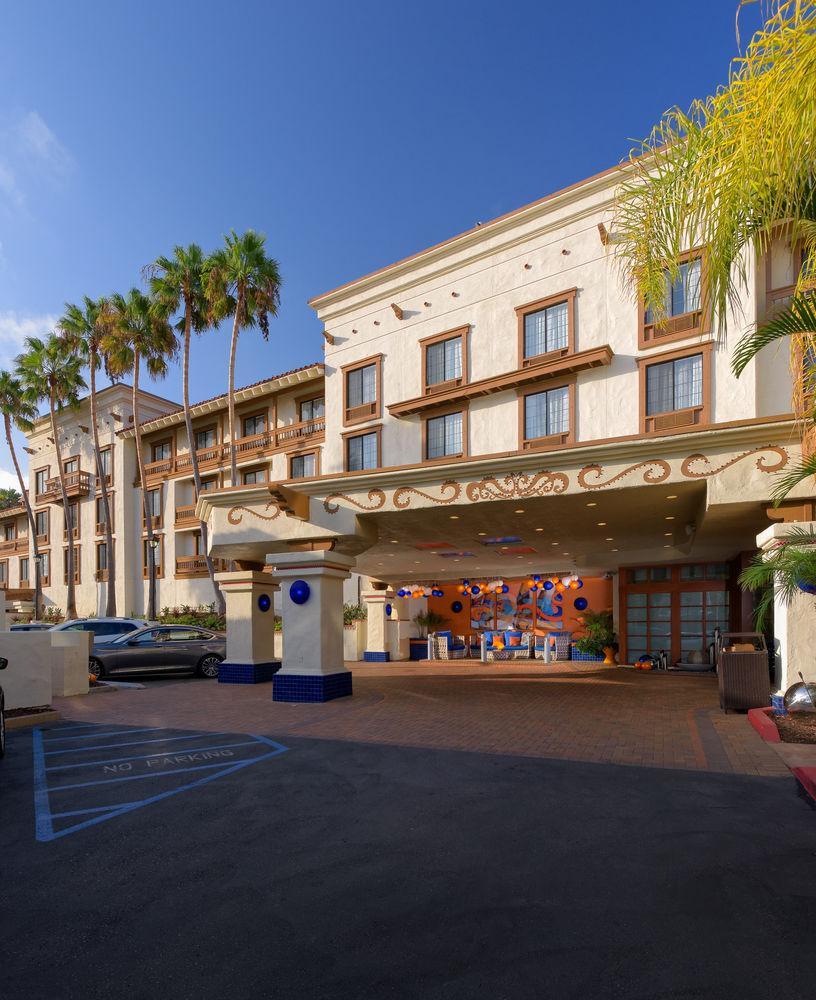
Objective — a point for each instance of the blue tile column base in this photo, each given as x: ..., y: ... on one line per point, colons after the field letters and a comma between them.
x: 247, y: 673
x: 311, y: 687
x: 375, y: 657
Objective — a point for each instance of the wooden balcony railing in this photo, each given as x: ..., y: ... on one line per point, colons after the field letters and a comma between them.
x: 17, y: 593
x: 219, y: 455
x: 186, y: 514
x: 77, y: 484
x: 157, y: 521
x: 197, y: 565
x: 12, y: 545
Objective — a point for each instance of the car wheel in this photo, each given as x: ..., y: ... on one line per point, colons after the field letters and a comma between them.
x: 208, y: 667
x: 95, y: 667
x: 2, y: 727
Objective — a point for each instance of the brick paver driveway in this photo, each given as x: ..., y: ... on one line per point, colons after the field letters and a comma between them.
x: 571, y: 712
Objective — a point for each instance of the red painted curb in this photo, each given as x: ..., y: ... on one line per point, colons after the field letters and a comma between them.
x: 806, y: 776
x: 766, y: 727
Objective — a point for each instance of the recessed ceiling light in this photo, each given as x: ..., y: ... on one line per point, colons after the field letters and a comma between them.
x: 592, y: 504
x: 519, y: 510
x: 394, y: 541
x: 615, y: 550
x: 555, y: 543
x: 672, y: 496
x: 416, y: 562
x: 481, y: 532
x: 610, y: 539
x: 669, y: 518
x: 454, y: 517
x: 667, y: 534
x: 539, y: 529
x: 601, y: 524
x: 667, y: 546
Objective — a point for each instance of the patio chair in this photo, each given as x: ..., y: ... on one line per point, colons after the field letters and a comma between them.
x: 446, y: 646
x: 514, y: 645
x: 559, y: 643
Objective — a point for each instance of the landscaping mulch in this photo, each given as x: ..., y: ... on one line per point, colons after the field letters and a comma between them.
x: 16, y: 713
x: 800, y: 727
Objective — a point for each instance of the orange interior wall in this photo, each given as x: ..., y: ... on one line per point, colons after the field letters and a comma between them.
x: 596, y: 590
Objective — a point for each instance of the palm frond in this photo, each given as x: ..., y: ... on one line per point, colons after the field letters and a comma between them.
x: 797, y: 319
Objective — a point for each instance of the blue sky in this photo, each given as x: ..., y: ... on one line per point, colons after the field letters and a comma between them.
x: 352, y: 134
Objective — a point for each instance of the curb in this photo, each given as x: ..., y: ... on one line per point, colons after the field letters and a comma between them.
x: 24, y: 721
x: 760, y: 719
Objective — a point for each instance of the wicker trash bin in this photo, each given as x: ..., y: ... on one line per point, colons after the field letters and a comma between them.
x: 742, y: 671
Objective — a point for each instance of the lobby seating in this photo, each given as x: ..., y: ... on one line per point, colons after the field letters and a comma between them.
x: 508, y: 645
x: 446, y: 646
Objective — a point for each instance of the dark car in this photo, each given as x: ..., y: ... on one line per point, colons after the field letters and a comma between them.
x: 31, y: 627
x: 3, y: 665
x: 160, y: 648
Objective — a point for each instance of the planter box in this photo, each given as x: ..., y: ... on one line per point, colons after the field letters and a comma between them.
x: 418, y: 649
x: 354, y: 640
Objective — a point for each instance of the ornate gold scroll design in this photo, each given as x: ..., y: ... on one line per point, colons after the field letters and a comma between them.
x: 655, y: 470
x: 376, y: 500
x: 516, y: 485
x: 764, y: 462
x: 236, y: 514
x: 449, y: 491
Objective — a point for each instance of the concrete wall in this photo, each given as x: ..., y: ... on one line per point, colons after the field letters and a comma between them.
x: 27, y: 681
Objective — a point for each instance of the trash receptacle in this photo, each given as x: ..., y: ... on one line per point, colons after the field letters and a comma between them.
x: 742, y: 671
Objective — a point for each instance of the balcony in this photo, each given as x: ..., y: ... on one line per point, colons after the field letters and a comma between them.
x: 17, y: 593
x: 190, y: 566
x: 77, y: 484
x: 9, y: 546
x: 185, y: 515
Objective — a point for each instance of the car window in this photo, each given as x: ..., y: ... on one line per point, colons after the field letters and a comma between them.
x: 183, y: 634
x: 144, y: 638
x: 76, y: 627
x: 112, y: 628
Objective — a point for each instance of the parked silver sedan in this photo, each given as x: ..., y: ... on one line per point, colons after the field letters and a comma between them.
x: 158, y: 649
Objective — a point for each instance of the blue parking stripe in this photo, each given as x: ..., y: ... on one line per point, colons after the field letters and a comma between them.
x: 147, y: 756
x: 133, y: 743
x: 97, y: 736
x: 143, y: 777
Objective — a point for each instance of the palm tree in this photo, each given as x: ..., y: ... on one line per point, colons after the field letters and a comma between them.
x: 9, y: 497
x: 724, y: 175
x: 83, y: 330
x: 139, y: 334
x: 47, y: 370
x: 17, y: 409
x: 178, y: 282
x: 241, y: 279
x: 788, y: 569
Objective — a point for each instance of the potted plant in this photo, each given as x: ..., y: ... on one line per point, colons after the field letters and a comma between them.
x: 425, y: 621
x: 599, y: 637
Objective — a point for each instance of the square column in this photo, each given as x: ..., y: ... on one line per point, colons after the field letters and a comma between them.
x: 250, y: 600
x: 378, y: 605
x: 311, y: 586
x: 794, y: 622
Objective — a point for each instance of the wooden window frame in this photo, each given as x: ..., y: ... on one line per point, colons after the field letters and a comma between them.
x: 462, y: 333
x: 45, y: 578
x: 14, y: 532
x: 376, y: 429
x: 256, y: 469
x: 100, y: 525
x: 678, y: 327
x: 202, y: 430
x: 109, y: 476
x: 568, y: 296
x: 303, y: 454
x: 250, y: 415
x: 72, y: 458
x: 43, y: 538
x: 444, y: 412
x: 47, y: 470
x: 5, y: 562
x: 77, y: 530
x: 160, y: 567
x: 159, y: 518
x: 100, y: 575
x: 165, y: 440
x: 697, y: 416
x: 23, y: 580
x: 773, y: 295
x: 300, y: 400
x: 373, y: 411
x: 77, y: 565
x: 551, y: 440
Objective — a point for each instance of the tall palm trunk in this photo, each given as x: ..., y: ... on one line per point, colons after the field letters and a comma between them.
x: 151, y: 553
x: 32, y: 527
x: 188, y: 420
x: 70, y: 604
x: 239, y: 305
x: 110, y: 604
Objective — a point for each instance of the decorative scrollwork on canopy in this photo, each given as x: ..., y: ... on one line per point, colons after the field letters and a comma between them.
x: 517, y: 485
x: 376, y: 500
x: 764, y: 462
x: 402, y: 497
x: 655, y: 470
x: 234, y: 517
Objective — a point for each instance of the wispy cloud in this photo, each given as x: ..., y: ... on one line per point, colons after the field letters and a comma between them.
x: 9, y: 480
x: 32, y: 153
x: 38, y: 143
x: 15, y: 327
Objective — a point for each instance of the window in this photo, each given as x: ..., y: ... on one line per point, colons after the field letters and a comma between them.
x: 302, y: 466
x: 4, y: 573
x: 100, y: 513
x: 362, y: 451
x: 256, y: 424
x: 65, y: 565
x: 154, y: 506
x: 23, y: 571
x: 209, y: 484
x: 41, y: 524
x: 45, y: 568
x: 546, y: 328
x: 252, y: 476
x: 205, y: 438
x: 159, y: 555
x: 162, y: 451
x: 184, y: 635
x: 9, y: 532
x: 361, y: 391
x: 674, y: 385
x: 145, y: 638
x: 70, y: 465
x: 71, y: 521
x: 675, y: 389
x: 312, y: 409
x: 105, y: 463
x: 682, y: 302
x: 444, y: 362
x: 546, y: 416
x: 102, y: 561
x: 40, y: 477
x: 444, y: 436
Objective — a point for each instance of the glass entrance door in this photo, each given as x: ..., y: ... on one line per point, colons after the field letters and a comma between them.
x: 648, y: 623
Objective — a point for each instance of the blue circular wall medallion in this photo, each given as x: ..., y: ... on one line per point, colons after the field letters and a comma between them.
x: 388, y: 611
x: 580, y: 603
x: 264, y: 602
x: 456, y: 607
x: 299, y: 592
